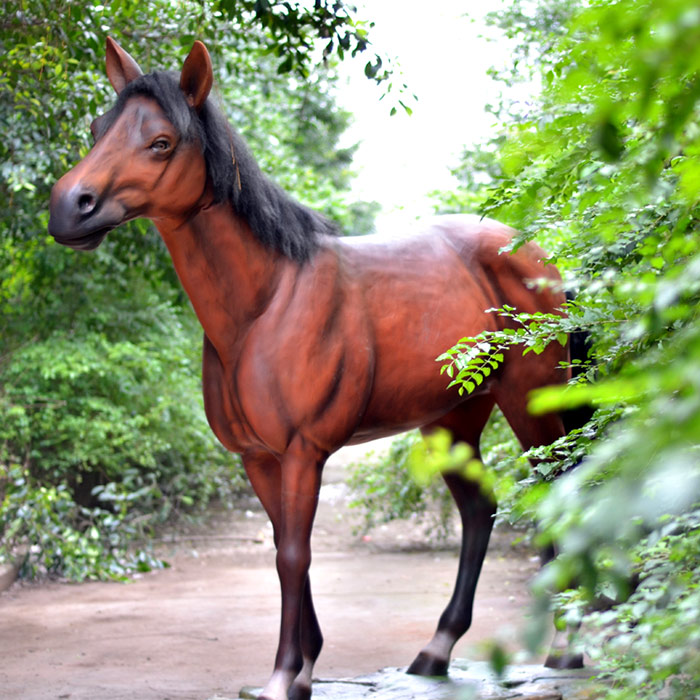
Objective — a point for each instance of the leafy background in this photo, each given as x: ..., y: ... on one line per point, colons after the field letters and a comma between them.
x: 103, y: 435
x: 602, y: 169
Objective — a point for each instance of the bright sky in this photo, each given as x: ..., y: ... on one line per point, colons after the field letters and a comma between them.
x: 444, y: 62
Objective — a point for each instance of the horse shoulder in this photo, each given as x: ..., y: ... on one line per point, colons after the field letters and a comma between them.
x: 307, y: 363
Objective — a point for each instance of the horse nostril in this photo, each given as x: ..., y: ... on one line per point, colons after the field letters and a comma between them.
x: 86, y: 203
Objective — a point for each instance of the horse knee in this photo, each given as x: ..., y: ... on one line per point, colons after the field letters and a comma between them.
x: 293, y: 559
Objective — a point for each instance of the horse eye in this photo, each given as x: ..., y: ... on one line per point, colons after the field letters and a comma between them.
x: 160, y: 145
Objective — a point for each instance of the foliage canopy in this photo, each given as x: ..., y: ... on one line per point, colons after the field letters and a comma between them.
x: 603, y: 169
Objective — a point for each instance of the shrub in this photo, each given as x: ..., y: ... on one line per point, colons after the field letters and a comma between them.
x: 101, y: 440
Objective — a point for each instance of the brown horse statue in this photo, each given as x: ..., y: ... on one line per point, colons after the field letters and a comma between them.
x: 312, y: 341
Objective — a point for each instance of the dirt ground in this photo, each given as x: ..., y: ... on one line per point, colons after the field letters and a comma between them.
x: 208, y: 624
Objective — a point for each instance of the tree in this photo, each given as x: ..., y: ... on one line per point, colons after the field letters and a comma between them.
x: 603, y: 170
x: 103, y: 432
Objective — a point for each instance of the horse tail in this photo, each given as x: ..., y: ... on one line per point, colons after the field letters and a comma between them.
x: 579, y: 346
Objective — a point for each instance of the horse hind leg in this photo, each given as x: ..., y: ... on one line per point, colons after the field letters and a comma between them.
x: 476, y: 511
x: 534, y: 431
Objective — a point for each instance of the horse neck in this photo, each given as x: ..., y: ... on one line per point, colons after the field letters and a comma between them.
x: 229, y: 276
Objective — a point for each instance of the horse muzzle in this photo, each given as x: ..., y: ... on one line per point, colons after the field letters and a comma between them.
x: 78, y: 218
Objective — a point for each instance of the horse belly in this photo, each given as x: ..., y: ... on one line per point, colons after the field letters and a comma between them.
x: 419, y: 304
x: 394, y: 409
x: 408, y: 390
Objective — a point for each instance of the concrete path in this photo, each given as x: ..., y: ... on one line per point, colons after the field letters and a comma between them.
x: 468, y: 680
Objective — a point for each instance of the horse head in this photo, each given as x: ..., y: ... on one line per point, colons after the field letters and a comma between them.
x: 147, y: 159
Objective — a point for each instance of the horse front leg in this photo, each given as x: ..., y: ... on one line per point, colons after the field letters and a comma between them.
x: 298, y: 480
x: 264, y: 473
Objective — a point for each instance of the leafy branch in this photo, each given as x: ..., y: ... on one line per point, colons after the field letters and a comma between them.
x: 473, y: 359
x: 294, y: 27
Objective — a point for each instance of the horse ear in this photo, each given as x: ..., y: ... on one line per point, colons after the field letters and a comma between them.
x: 121, y: 68
x: 197, y: 76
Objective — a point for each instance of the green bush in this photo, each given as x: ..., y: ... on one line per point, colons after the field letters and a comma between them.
x: 107, y: 432
x: 48, y: 533
x: 387, y: 488
x: 602, y: 169
x: 648, y: 644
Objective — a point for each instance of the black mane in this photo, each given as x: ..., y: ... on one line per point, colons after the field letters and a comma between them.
x: 275, y: 218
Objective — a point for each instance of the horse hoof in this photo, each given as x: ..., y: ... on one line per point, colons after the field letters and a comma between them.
x: 299, y: 692
x: 428, y: 665
x: 564, y: 661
